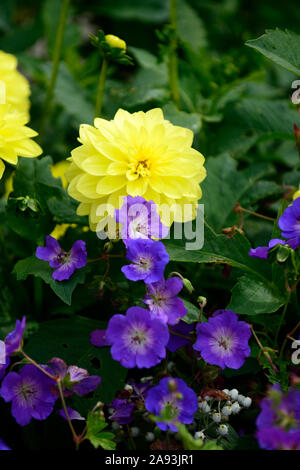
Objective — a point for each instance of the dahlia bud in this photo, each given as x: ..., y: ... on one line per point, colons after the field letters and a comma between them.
x: 115, y: 42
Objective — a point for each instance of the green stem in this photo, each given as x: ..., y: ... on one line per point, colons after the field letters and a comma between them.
x: 101, y: 86
x: 173, y: 61
x: 282, y: 318
x: 56, y: 59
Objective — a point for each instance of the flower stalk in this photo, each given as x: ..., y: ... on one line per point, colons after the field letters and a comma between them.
x: 56, y: 60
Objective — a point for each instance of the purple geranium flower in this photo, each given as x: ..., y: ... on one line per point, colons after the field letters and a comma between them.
x: 223, y: 340
x: 173, y: 401
x: 137, y: 339
x: 65, y: 262
x: 3, y: 446
x: 262, y: 251
x: 74, y: 379
x: 30, y: 394
x: 13, y: 340
x: 73, y: 414
x: 149, y: 259
x: 123, y: 411
x: 139, y: 219
x: 162, y: 301
x: 278, y: 424
x: 98, y: 338
x: 180, y: 335
x: 289, y: 222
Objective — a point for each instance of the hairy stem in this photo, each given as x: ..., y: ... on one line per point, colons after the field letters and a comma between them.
x: 56, y: 59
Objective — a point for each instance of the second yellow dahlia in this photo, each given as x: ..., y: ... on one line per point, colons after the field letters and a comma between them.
x: 139, y: 154
x: 15, y: 137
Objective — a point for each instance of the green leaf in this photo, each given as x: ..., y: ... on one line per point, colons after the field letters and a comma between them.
x: 252, y: 296
x: 71, y: 96
x: 250, y: 119
x: 34, y: 183
x: 282, y: 47
x: 224, y: 186
x: 95, y: 423
x: 70, y: 340
x: 220, y: 249
x: 39, y: 268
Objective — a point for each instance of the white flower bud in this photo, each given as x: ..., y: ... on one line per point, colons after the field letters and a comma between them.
x: 222, y: 429
x: 128, y: 388
x: 217, y: 417
x: 235, y: 408
x: 226, y: 410
x: 204, y: 407
x: 234, y: 393
x: 170, y: 366
x: 247, y: 402
x: 149, y: 436
x: 135, y: 431
x: 199, y: 435
x: 240, y: 399
x: 226, y: 391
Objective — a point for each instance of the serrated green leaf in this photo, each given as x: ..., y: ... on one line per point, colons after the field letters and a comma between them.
x: 252, y: 296
x: 69, y: 339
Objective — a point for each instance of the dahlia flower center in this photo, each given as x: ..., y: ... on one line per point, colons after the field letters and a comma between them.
x: 139, y: 169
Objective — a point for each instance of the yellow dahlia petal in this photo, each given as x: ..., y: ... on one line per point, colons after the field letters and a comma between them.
x: 87, y: 186
x: 110, y: 184
x: 27, y: 148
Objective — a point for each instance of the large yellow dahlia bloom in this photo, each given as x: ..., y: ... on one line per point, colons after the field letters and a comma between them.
x: 16, y: 86
x: 15, y: 137
x: 139, y: 154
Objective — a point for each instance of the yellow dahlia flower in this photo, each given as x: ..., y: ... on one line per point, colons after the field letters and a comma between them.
x: 15, y: 137
x: 139, y: 154
x: 16, y: 86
